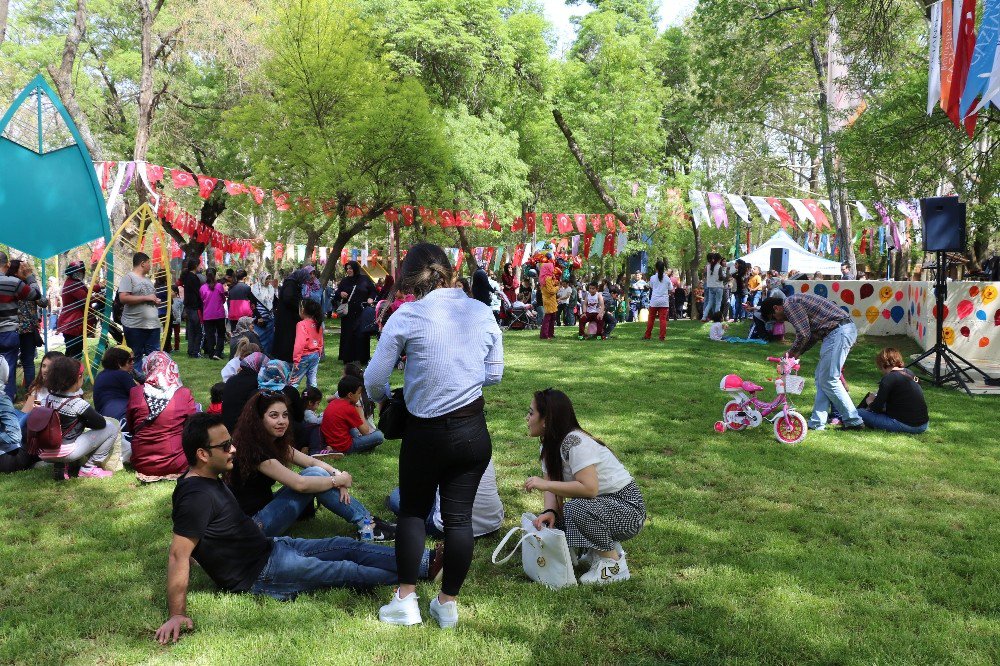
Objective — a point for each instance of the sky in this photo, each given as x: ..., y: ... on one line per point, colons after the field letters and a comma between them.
x: 672, y: 12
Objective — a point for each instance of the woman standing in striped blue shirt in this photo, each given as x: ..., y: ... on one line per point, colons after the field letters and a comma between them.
x: 453, y: 349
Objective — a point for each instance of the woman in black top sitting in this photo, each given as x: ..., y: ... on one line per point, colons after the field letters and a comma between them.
x: 114, y: 383
x: 899, y: 405
x: 264, y: 455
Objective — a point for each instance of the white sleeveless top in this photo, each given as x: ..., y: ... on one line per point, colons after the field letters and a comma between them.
x: 593, y: 302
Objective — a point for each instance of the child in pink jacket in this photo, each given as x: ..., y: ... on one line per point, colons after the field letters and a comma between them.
x: 308, y: 343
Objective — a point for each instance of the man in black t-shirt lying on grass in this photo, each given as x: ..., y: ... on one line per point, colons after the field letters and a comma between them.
x: 210, y: 527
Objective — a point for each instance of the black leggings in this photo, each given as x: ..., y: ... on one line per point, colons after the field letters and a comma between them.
x: 16, y: 460
x: 450, y: 453
x: 215, y: 336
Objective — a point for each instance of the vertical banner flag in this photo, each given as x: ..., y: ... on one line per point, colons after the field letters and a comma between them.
x: 587, y: 240
x: 529, y: 220
x: 964, y: 48
x: 575, y: 245
x: 581, y: 222
x: 982, y: 57
x: 609, y: 222
x: 718, y: 205
x: 739, y: 206
x: 765, y: 209
x: 595, y: 222
x: 547, y: 222
x: 699, y: 210
x: 564, y: 223
x: 948, y: 38
x: 779, y: 211
x: 609, y: 244
x: 598, y: 246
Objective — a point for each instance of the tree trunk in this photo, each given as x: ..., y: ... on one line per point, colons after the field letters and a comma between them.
x: 63, y: 77
x: 592, y: 176
x: 470, y: 257
x: 4, y: 4
x: 831, y: 164
x: 347, y: 233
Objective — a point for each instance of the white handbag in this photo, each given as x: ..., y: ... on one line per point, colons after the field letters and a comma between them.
x: 544, y: 554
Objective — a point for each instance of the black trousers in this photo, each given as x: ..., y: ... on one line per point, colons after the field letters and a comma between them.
x: 193, y: 332
x: 215, y: 336
x: 17, y: 460
x: 450, y: 454
x: 74, y: 346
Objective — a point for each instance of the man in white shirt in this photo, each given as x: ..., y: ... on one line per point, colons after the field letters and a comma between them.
x: 562, y: 300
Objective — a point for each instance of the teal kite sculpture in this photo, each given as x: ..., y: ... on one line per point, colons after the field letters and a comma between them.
x: 50, y: 198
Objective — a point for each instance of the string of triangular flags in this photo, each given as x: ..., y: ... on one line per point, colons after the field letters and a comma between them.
x: 707, y: 207
x: 963, y: 66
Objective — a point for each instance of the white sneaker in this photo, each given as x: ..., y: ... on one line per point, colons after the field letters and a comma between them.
x: 446, y: 614
x: 401, y: 611
x: 606, y: 570
x: 587, y: 559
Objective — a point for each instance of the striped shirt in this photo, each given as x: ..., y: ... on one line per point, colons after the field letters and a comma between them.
x: 453, y: 349
x: 12, y: 290
x: 813, y: 318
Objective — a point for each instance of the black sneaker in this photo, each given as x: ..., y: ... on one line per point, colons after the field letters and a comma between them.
x: 858, y: 426
x: 383, y: 531
x: 59, y: 471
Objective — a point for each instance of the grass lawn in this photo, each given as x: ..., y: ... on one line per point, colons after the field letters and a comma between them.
x: 848, y: 548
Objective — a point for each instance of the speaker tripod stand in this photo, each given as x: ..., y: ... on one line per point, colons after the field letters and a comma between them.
x: 949, y: 367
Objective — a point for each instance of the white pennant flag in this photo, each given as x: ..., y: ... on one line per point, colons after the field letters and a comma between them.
x: 765, y: 209
x: 322, y: 254
x: 934, y: 72
x: 825, y: 203
x: 801, y: 210
x: 699, y: 209
x: 865, y: 215
x: 740, y: 206
x: 267, y: 250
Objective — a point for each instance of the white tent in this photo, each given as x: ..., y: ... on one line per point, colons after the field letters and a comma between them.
x: 799, y: 259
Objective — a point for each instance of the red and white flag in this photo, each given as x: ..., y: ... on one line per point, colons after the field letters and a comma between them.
x: 181, y: 178
x: 205, y: 186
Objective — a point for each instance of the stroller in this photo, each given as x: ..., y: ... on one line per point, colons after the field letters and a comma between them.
x: 520, y: 319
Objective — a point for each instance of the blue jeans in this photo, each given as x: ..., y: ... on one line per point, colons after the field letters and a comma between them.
x: 361, y: 443
x: 885, y: 422
x: 392, y: 503
x: 713, y: 302
x: 301, y: 565
x: 142, y: 341
x: 830, y: 390
x: 10, y: 346
x: 307, y: 368
x: 266, y: 336
x: 281, y: 512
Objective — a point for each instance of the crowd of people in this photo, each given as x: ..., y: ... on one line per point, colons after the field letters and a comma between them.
x: 259, y: 457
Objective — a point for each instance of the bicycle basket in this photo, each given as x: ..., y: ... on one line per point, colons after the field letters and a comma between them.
x: 794, y: 384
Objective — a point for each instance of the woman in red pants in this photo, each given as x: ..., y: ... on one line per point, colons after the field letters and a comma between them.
x: 659, y: 302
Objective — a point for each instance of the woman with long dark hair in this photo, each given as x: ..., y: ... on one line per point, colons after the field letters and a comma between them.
x: 264, y: 454
x: 213, y: 315
x: 356, y: 289
x: 659, y: 300
x: 715, y: 279
x: 588, y: 492
x: 286, y: 313
x: 453, y: 349
x: 509, y: 282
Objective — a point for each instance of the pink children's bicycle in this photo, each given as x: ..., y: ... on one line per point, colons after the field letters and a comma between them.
x: 747, y: 411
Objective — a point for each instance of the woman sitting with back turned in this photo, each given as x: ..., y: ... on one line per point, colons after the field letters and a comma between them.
x: 899, y: 405
x: 599, y: 501
x: 157, y: 411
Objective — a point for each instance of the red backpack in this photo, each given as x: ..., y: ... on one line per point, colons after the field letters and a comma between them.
x: 43, y: 430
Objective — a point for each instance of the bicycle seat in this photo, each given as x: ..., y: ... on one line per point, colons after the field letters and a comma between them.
x: 731, y: 383
x: 750, y: 387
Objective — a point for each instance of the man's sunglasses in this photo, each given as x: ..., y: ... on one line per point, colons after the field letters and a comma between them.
x: 226, y: 446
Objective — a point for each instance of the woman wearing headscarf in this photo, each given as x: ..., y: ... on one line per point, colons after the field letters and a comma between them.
x: 243, y: 328
x: 240, y: 388
x: 286, y: 313
x: 156, y: 412
x: 357, y: 290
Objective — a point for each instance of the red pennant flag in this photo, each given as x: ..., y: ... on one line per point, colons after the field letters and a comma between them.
x: 518, y: 256
x: 529, y: 221
x: 609, y: 222
x: 461, y: 256
x: 280, y: 199
x: 234, y: 189
x: 495, y: 225
x: 175, y: 250
x: 181, y: 178
x: 482, y: 222
x: 205, y: 186
x: 219, y: 256
x: 817, y: 214
x: 783, y: 217
x: 609, y: 245
x: 447, y: 219
x: 518, y: 225
x: 344, y: 257
x: 547, y: 222
x: 408, y: 215
x: 588, y: 240
x: 392, y: 215
x: 963, y: 58
x: 595, y: 223
x: 564, y: 223
x: 154, y: 173
x: 279, y: 250
x: 488, y: 253
x: 257, y: 193
x: 305, y: 204
x: 432, y: 218
x: 424, y: 213
x: 463, y: 218
x: 622, y: 228
x: 581, y: 222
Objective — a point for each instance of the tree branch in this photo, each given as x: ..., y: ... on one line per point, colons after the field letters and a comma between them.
x: 592, y: 176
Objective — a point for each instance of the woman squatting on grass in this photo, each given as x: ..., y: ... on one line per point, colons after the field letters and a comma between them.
x: 588, y: 492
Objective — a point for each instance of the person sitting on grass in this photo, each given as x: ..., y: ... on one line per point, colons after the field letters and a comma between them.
x: 240, y: 388
x: 345, y: 428
x: 210, y: 527
x: 717, y: 331
x: 601, y: 505
x: 114, y: 383
x: 243, y: 349
x: 487, y: 507
x: 593, y: 311
x: 215, y: 398
x: 13, y: 456
x: 88, y: 437
x: 312, y: 397
x: 37, y: 391
x: 898, y: 405
x: 157, y: 410
x: 265, y: 450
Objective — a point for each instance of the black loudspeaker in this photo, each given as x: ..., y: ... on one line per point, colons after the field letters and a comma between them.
x: 779, y: 259
x: 638, y: 263
x: 944, y: 224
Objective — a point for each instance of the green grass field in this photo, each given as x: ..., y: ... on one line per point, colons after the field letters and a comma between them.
x: 857, y: 548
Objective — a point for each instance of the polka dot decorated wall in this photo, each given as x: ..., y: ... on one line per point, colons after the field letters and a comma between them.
x: 971, y: 311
